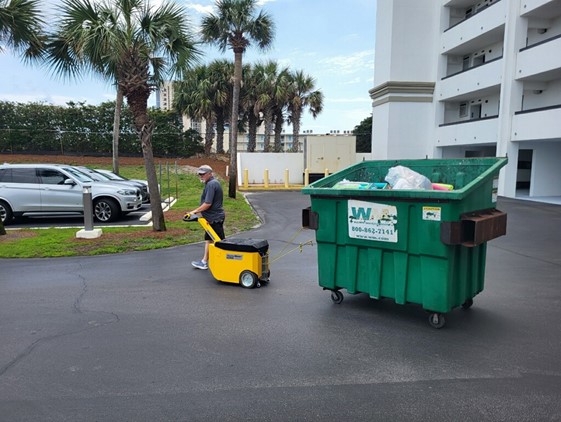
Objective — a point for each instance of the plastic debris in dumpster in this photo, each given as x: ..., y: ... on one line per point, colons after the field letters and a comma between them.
x: 426, y: 247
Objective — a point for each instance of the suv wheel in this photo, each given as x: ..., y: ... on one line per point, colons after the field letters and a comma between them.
x: 5, y: 212
x: 106, y: 210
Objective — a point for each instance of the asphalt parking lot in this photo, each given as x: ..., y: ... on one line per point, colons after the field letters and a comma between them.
x: 145, y: 337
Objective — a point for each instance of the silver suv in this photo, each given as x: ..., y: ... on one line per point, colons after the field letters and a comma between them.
x: 46, y: 189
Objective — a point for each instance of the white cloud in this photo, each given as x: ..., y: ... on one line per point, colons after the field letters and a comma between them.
x: 351, y: 63
x: 200, y: 8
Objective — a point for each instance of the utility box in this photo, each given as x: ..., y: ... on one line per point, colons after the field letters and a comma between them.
x: 331, y: 152
x: 412, y: 245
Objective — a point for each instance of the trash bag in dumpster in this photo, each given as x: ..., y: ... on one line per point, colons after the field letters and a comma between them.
x: 426, y: 247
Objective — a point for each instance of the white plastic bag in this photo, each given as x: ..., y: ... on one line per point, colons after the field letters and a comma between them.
x: 400, y: 177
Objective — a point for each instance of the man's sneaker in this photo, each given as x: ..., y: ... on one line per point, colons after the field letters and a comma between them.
x: 201, y: 265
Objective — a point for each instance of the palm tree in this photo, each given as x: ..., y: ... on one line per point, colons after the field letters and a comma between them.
x: 21, y: 28
x: 248, y: 100
x: 282, y: 94
x: 133, y: 44
x: 235, y: 26
x: 221, y: 74
x: 302, y: 94
x: 193, y: 97
x: 271, y: 92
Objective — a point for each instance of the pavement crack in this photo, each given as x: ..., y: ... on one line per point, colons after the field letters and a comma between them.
x: 76, y: 306
x: 76, y: 309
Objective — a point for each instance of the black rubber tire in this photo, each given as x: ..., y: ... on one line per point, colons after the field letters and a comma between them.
x: 248, y: 279
x: 106, y: 210
x: 437, y: 320
x: 6, y: 214
x: 336, y: 296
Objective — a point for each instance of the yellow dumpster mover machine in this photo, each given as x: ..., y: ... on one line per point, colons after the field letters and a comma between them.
x: 238, y: 261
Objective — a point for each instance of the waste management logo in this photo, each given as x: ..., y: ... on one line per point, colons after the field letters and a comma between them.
x: 372, y: 221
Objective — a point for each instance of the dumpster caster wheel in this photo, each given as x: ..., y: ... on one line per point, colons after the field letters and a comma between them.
x: 336, y: 296
x: 467, y: 304
x: 436, y: 320
x: 248, y: 279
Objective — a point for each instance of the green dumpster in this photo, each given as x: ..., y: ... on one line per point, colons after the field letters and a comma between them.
x: 426, y: 247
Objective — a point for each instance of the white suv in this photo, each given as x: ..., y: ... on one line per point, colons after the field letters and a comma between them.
x: 46, y: 189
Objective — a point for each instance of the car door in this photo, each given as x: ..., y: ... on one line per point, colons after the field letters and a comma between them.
x: 56, y: 195
x: 20, y: 187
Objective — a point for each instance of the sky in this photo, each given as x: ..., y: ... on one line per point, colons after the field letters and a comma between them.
x: 331, y: 40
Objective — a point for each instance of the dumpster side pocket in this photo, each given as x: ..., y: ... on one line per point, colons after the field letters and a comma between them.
x: 474, y: 228
x: 310, y: 219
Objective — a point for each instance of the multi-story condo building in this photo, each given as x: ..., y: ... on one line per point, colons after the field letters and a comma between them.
x: 468, y: 78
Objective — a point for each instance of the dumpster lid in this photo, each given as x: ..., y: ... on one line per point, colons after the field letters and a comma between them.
x: 465, y: 174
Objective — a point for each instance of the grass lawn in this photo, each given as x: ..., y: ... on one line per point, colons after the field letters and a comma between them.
x: 178, y: 183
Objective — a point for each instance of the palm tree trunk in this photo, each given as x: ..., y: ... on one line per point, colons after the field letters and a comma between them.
x: 116, y: 129
x: 158, y: 221
x: 296, y: 116
x: 278, y: 132
x: 234, y: 123
x: 251, y: 131
x: 209, y: 134
x: 220, y: 133
x: 2, y: 229
x: 268, y: 118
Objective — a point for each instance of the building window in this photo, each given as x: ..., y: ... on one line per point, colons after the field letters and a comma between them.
x: 478, y: 60
x: 463, y: 109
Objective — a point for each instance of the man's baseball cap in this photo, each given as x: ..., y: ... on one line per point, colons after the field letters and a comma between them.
x: 204, y: 169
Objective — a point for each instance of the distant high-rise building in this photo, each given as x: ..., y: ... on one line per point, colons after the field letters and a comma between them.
x: 469, y: 78
x: 164, y: 96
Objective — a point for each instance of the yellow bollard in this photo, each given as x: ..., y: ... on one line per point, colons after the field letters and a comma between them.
x: 326, y: 173
x: 306, y: 177
x: 245, y: 178
x: 286, y: 178
x: 266, y: 178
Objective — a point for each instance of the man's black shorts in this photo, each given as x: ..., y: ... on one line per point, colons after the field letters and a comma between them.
x: 218, y: 227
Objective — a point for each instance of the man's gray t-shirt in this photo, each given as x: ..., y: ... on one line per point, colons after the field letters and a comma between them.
x: 212, y: 194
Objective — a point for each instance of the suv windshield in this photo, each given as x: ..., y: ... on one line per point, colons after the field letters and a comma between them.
x: 82, y: 177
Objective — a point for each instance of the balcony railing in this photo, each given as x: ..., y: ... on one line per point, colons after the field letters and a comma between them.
x: 540, y: 42
x: 534, y: 110
x: 481, y: 9
x: 472, y: 67
x: 458, y: 122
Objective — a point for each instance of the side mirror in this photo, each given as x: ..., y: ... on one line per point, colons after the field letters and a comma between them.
x: 69, y: 182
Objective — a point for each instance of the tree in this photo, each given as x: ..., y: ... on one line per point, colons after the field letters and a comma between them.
x: 21, y: 28
x: 221, y: 72
x: 236, y: 26
x: 271, y: 92
x: 302, y: 95
x: 248, y: 100
x: 363, y: 133
x: 193, y: 97
x: 132, y: 44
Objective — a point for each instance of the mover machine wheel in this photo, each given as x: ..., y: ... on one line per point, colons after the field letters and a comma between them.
x: 248, y: 279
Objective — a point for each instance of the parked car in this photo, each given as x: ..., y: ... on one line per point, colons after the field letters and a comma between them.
x: 48, y: 189
x: 99, y: 176
x: 114, y: 176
